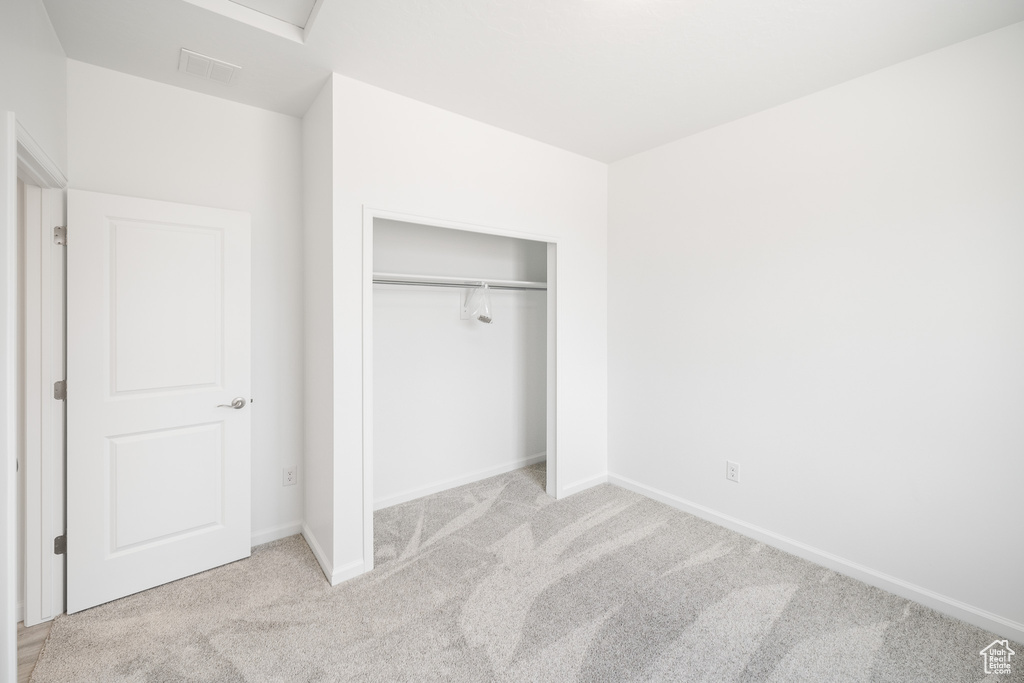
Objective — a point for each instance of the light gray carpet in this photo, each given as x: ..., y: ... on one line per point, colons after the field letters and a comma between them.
x: 495, y: 581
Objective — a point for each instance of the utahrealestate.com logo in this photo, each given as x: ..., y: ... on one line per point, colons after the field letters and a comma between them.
x: 997, y: 657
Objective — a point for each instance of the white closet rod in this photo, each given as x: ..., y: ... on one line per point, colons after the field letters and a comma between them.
x: 441, y: 281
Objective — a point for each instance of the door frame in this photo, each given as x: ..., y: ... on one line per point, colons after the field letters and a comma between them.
x: 369, y: 215
x: 8, y: 396
x: 43, y: 420
x: 20, y: 156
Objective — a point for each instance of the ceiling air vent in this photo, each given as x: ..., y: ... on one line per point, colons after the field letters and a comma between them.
x: 206, y: 67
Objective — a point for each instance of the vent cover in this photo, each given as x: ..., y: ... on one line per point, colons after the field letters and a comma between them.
x: 206, y: 67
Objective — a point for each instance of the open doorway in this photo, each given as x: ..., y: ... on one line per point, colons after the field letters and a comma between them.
x: 490, y: 395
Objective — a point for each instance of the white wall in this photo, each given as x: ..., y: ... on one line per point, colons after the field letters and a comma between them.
x: 830, y: 293
x: 317, y: 479
x: 135, y: 137
x: 396, y: 154
x: 33, y: 87
x: 454, y: 400
x: 32, y: 75
x: 429, y: 250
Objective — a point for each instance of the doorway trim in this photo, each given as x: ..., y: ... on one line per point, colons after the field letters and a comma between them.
x: 9, y: 397
x: 369, y: 215
x: 34, y: 165
x: 43, y: 420
x: 20, y: 155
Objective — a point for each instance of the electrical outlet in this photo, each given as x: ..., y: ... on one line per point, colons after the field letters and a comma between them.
x: 732, y: 471
x: 290, y: 475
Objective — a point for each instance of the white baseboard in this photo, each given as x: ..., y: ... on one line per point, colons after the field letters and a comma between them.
x: 419, y: 492
x: 348, y: 571
x: 995, y: 623
x: 321, y: 557
x: 582, y: 485
x: 334, y: 576
x: 274, y: 533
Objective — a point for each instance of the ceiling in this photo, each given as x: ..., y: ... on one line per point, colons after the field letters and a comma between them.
x: 294, y: 12
x: 603, y: 78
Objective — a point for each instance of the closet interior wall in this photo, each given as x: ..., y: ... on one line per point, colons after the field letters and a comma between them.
x: 454, y: 400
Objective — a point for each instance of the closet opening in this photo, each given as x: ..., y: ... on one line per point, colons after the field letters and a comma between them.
x: 459, y: 351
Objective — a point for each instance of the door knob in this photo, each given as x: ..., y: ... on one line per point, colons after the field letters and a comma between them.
x: 237, y: 404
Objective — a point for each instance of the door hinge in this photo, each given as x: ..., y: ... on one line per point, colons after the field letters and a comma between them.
x: 60, y: 235
x: 60, y: 390
x: 60, y: 545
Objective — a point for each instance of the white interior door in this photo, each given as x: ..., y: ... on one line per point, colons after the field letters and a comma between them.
x: 158, y: 350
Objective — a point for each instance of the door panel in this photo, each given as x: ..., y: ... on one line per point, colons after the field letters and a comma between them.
x: 165, y: 485
x: 158, y: 312
x: 158, y: 347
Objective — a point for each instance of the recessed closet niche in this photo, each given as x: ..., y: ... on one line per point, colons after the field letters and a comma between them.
x: 455, y: 399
